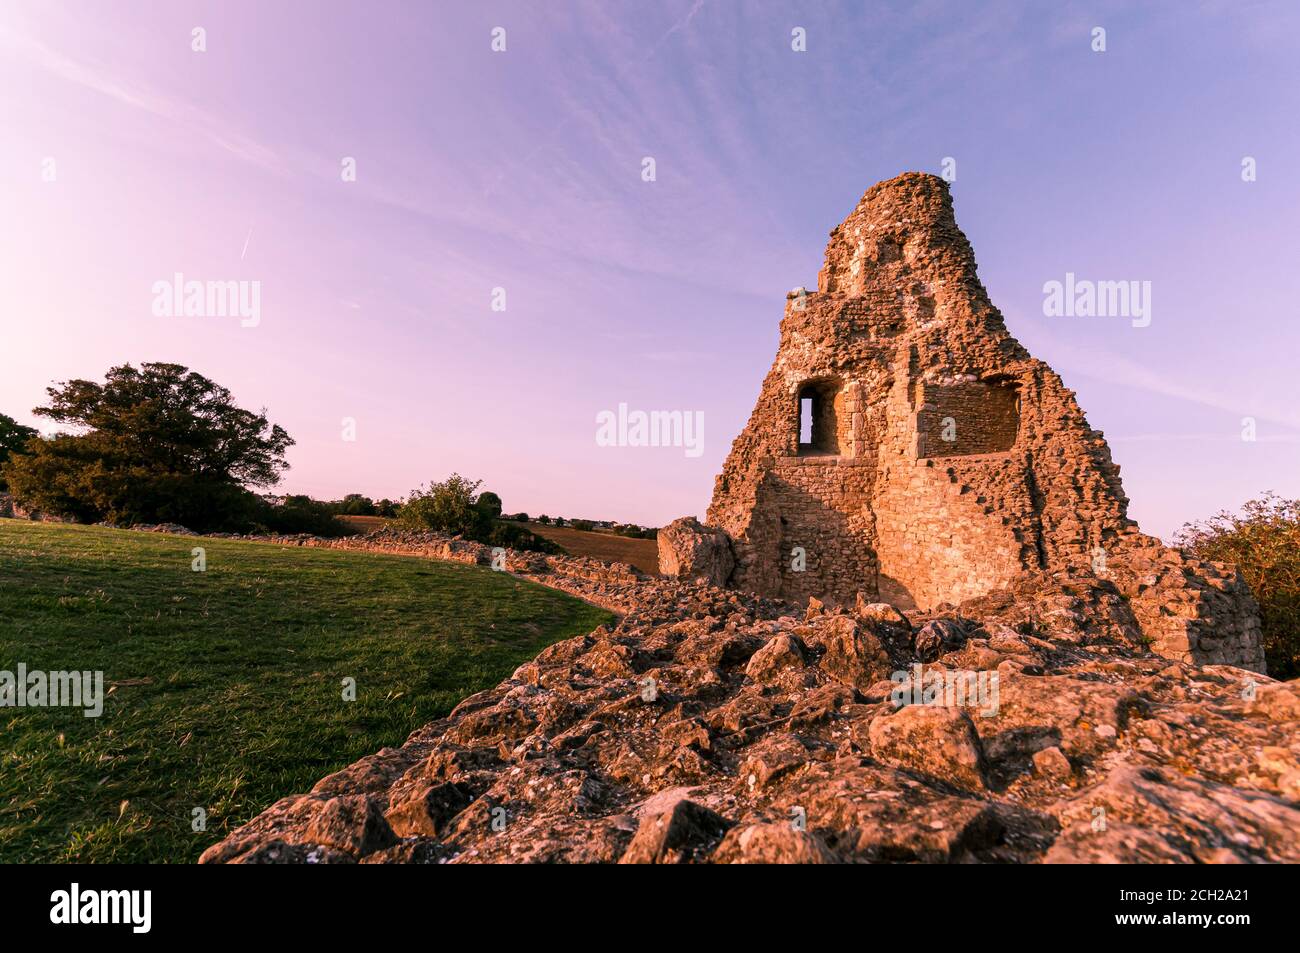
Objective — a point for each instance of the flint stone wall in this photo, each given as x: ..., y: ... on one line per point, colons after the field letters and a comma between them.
x: 904, y: 348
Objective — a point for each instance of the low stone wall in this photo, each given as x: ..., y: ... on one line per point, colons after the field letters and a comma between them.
x: 1189, y: 609
x: 617, y: 587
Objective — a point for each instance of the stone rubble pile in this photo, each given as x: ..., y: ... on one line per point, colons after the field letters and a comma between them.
x: 710, y: 725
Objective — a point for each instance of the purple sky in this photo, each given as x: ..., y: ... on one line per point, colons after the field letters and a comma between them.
x: 523, y: 170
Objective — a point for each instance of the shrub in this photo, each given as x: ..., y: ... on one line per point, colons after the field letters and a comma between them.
x: 446, y: 507
x: 513, y: 536
x: 1263, y: 542
x: 453, y: 507
x: 585, y: 525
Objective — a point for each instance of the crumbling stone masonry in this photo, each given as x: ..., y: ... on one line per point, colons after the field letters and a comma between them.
x: 906, y: 446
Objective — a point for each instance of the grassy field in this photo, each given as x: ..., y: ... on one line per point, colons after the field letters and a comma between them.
x: 225, y: 687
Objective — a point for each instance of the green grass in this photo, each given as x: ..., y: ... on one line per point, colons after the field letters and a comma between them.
x: 225, y: 686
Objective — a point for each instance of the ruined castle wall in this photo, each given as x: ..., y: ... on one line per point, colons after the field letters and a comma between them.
x: 817, y: 539
x: 806, y: 529
x: 958, y: 463
x: 1056, y: 483
x: 775, y: 495
x: 1066, y: 476
x: 936, y: 543
x: 967, y: 418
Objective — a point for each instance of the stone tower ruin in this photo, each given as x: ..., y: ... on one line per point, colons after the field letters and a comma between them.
x: 906, y: 447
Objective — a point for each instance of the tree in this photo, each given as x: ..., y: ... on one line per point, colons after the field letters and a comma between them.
x: 489, y: 504
x: 14, y: 438
x: 158, y: 444
x: 355, y: 504
x: 1263, y: 542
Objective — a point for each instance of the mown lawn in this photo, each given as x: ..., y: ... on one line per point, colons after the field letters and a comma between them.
x: 225, y: 687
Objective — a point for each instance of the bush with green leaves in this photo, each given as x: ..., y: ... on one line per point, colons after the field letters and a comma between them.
x: 448, y: 507
x: 514, y: 536
x: 1263, y: 542
x: 455, y: 507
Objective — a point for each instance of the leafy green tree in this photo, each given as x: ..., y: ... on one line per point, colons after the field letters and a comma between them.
x: 1263, y: 542
x: 157, y: 444
x: 354, y: 504
x: 489, y: 504
x: 14, y: 438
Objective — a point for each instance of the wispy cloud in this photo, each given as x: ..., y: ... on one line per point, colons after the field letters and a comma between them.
x: 1198, y: 438
x: 95, y: 77
x: 1102, y: 365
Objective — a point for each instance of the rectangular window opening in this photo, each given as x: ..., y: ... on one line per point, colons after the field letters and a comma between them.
x: 805, y: 421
